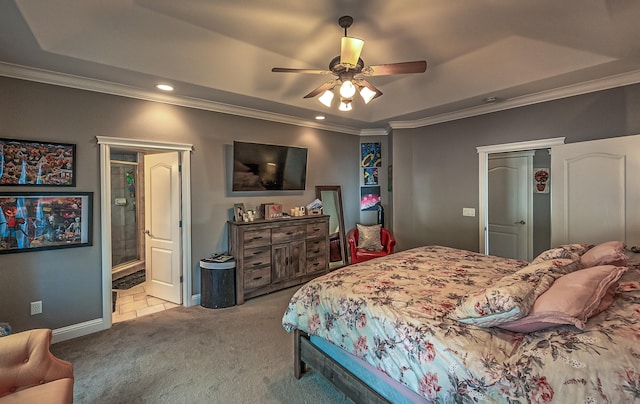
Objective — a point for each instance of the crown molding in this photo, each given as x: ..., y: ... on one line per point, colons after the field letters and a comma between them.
x: 586, y: 87
x: 83, y: 83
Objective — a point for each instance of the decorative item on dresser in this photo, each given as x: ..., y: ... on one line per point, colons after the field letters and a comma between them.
x: 278, y: 253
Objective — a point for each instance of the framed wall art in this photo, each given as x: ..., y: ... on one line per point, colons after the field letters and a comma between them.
x: 28, y: 162
x: 32, y: 221
x: 369, y: 198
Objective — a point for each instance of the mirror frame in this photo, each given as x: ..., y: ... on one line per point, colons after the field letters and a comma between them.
x: 341, y: 231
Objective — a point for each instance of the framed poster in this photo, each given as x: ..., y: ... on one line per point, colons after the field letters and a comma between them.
x: 28, y: 162
x: 369, y: 198
x: 370, y: 176
x: 370, y: 155
x: 46, y: 220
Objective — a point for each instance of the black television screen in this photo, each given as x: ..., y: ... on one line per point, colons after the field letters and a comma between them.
x: 265, y: 167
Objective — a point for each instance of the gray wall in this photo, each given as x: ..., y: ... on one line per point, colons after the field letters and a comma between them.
x: 68, y: 281
x: 435, y: 168
x: 435, y: 175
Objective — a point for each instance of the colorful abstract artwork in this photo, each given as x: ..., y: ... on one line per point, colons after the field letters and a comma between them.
x: 370, y: 155
x: 369, y: 198
x: 371, y: 176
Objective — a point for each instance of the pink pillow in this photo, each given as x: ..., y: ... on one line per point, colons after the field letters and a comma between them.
x: 609, y: 253
x: 572, y: 299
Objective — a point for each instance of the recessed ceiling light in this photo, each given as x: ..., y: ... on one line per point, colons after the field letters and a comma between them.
x: 164, y: 87
x: 320, y: 117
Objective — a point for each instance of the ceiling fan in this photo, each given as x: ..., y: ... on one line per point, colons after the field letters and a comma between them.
x: 350, y: 71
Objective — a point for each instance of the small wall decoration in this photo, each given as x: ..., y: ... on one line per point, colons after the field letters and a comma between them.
x: 42, y: 221
x: 390, y: 178
x: 369, y: 198
x: 371, y: 176
x: 370, y: 155
x: 25, y: 162
x: 541, y: 180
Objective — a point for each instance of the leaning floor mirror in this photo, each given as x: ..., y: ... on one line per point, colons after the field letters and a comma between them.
x: 331, y: 198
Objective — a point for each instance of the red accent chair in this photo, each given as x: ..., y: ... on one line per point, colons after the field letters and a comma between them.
x: 361, y: 255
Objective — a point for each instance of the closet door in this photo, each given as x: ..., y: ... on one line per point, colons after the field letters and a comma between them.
x: 595, y: 191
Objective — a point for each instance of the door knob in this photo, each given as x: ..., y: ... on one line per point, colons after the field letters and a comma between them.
x: 520, y: 222
x: 147, y: 232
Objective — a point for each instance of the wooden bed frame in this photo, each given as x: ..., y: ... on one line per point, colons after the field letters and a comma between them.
x: 307, y: 354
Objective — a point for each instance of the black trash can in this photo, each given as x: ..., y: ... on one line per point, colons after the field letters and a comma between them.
x: 218, y: 284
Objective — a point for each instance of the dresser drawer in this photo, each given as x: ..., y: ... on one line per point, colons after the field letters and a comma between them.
x: 318, y: 229
x: 255, y: 257
x: 255, y: 278
x: 257, y: 238
x: 316, y: 248
x: 316, y: 264
x: 286, y: 234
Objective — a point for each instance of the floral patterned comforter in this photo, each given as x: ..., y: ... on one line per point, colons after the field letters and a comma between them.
x: 392, y: 313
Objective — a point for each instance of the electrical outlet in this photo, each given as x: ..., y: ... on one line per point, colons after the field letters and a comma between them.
x: 36, y: 307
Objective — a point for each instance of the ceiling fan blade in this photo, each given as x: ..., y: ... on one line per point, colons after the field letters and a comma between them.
x: 326, y: 86
x: 305, y: 71
x: 350, y: 49
x: 365, y: 83
x: 396, y: 68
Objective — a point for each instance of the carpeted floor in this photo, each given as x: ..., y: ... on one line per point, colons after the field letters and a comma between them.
x: 240, y: 354
x: 129, y: 281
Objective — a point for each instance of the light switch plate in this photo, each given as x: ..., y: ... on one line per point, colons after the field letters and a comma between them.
x: 469, y: 212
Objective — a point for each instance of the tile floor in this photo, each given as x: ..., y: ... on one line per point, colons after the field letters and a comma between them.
x: 135, y: 302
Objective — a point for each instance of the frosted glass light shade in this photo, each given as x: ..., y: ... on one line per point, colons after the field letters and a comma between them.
x: 326, y: 98
x: 345, y: 105
x: 347, y: 89
x: 367, y: 94
x: 350, y: 49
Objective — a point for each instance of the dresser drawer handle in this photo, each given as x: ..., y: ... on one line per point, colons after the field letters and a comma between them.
x: 257, y: 252
x: 257, y: 263
x: 256, y: 238
x: 316, y: 264
x: 289, y: 233
x: 316, y: 251
x: 257, y: 278
x: 316, y: 229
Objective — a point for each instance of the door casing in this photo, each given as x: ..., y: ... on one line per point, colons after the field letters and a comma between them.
x: 483, y: 186
x: 106, y: 143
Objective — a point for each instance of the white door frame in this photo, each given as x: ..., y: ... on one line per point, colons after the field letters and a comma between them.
x: 483, y: 175
x: 106, y: 143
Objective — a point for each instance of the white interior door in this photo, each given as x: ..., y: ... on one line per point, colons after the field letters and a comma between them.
x: 595, y: 191
x: 162, y: 226
x: 509, y: 205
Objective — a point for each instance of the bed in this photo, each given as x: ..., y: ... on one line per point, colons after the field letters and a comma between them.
x: 438, y: 324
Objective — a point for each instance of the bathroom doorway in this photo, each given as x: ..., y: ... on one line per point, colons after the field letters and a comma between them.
x: 181, y: 274
x: 127, y: 215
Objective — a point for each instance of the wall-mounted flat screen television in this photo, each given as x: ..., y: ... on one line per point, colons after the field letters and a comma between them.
x: 266, y: 167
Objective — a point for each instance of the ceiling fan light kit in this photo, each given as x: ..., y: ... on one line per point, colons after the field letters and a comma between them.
x: 345, y: 104
x: 326, y: 98
x: 349, y: 70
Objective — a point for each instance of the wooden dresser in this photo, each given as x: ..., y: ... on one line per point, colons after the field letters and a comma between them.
x: 278, y: 253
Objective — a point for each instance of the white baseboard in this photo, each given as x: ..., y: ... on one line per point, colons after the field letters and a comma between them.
x: 91, y: 326
x: 78, y: 330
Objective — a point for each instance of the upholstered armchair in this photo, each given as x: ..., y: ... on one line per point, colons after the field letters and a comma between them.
x: 360, y: 252
x: 29, y: 373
